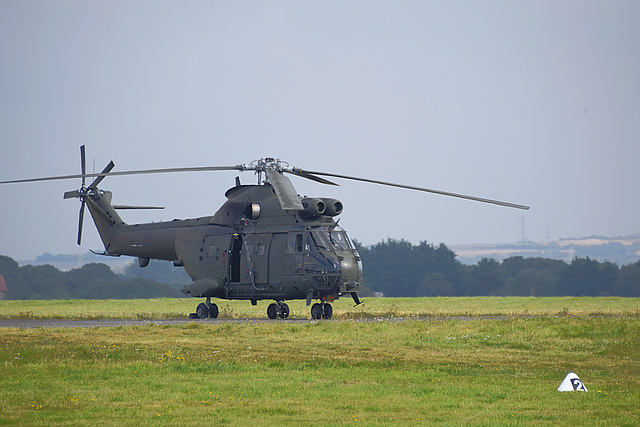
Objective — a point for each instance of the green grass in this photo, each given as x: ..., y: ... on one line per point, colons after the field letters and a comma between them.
x: 447, y: 371
x: 168, y: 308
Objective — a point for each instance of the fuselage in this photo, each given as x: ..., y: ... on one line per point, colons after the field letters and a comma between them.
x: 251, y: 249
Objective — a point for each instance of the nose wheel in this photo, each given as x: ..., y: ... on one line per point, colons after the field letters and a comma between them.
x: 278, y: 309
x: 321, y: 310
x: 205, y: 310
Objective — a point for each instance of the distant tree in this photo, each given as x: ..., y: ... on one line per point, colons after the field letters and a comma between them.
x: 533, y: 276
x: 159, y: 271
x: 8, y: 265
x: 398, y: 268
x: 43, y: 282
x: 445, y: 263
x: 386, y: 268
x: 628, y: 282
x: 589, y: 277
x: 535, y: 283
x: 436, y: 285
x: 485, y: 278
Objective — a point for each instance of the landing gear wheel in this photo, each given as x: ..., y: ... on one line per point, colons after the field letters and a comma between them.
x: 316, y: 311
x: 213, y: 311
x: 328, y: 311
x: 202, y: 311
x: 284, y: 311
x: 272, y: 311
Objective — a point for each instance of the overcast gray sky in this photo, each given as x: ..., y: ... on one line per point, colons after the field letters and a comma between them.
x: 532, y: 102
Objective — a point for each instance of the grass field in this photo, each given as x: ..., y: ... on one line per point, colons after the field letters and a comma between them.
x: 502, y: 371
x: 343, y: 308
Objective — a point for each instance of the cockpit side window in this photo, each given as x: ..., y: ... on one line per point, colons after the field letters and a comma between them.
x: 339, y: 240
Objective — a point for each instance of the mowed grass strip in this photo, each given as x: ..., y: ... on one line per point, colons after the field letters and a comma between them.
x: 450, y: 372
x: 169, y: 308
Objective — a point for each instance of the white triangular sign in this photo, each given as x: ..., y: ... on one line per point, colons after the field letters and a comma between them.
x: 572, y: 383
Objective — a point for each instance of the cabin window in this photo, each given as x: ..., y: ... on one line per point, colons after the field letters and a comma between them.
x: 296, y: 243
x: 291, y: 242
x: 260, y: 249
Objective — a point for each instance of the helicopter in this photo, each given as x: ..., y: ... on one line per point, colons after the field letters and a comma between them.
x: 265, y: 242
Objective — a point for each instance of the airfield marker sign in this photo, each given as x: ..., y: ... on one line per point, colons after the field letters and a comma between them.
x: 572, y: 383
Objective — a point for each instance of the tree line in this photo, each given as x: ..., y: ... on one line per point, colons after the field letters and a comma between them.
x: 91, y: 281
x: 396, y: 268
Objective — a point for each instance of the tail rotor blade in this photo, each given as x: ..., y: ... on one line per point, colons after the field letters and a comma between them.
x: 83, y: 164
x: 72, y: 194
x: 99, y: 179
x: 80, y: 222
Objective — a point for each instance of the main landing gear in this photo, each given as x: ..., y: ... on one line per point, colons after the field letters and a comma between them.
x: 278, y: 309
x: 322, y: 310
x: 205, y: 310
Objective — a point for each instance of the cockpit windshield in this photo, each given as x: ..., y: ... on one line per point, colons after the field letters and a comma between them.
x: 340, y: 240
x: 325, y: 239
x: 320, y: 240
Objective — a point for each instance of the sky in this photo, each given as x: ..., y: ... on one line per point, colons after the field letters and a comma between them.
x: 531, y: 102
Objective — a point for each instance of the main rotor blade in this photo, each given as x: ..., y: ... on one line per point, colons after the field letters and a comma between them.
x: 125, y: 207
x: 133, y: 172
x: 286, y: 193
x: 303, y: 174
x: 412, y: 187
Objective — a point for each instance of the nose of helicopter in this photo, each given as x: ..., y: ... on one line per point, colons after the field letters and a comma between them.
x: 351, y: 268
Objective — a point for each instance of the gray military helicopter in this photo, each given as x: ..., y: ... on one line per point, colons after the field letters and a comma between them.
x: 265, y: 242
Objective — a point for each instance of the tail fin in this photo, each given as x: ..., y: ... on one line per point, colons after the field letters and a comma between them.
x: 104, y: 216
x: 99, y: 203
